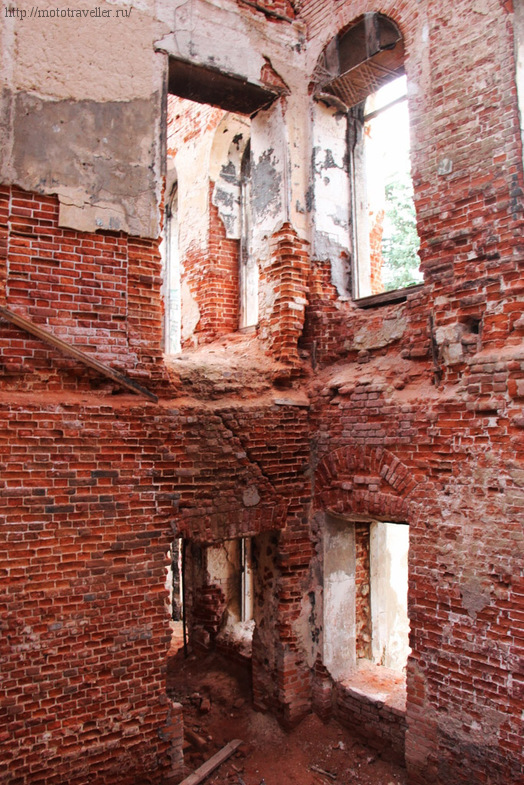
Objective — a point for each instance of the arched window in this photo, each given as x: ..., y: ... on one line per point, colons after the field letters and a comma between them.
x: 362, y: 71
x: 384, y: 224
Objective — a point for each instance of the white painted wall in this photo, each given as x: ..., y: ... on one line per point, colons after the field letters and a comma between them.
x: 339, y: 597
x: 331, y: 194
x: 389, y: 544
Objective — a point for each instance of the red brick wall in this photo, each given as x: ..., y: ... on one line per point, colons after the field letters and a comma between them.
x: 91, y: 489
x: 187, y: 120
x: 224, y: 261
x: 382, y: 726
x: 464, y: 581
x: 83, y: 551
x: 362, y: 589
x: 454, y: 422
x: 92, y: 492
x: 286, y: 275
x: 100, y: 292
x: 213, y: 278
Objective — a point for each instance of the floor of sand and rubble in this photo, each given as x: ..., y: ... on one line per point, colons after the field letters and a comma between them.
x: 216, y: 695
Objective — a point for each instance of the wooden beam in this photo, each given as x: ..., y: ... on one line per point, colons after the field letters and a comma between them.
x: 385, y: 298
x: 213, y: 763
x: 72, y: 351
x: 323, y: 772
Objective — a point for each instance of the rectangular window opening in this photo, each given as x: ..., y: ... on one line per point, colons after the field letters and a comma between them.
x: 386, y: 242
x: 366, y: 623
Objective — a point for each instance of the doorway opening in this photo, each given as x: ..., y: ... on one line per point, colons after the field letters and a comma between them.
x: 366, y: 624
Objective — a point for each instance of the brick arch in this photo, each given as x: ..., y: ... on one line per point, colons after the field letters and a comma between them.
x: 368, y: 481
x: 351, y: 77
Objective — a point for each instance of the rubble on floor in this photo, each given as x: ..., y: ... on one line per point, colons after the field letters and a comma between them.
x: 215, y: 693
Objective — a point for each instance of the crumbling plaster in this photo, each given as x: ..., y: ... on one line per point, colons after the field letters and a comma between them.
x: 80, y: 119
x: 330, y: 193
x: 57, y: 71
x: 230, y: 140
x: 339, y: 597
x: 192, y: 163
x: 214, y: 35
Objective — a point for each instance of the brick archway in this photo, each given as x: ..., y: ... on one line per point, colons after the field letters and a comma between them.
x: 364, y: 481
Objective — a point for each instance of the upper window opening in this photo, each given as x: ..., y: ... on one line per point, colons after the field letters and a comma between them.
x: 362, y: 69
x: 385, y: 234
x: 210, y: 276
x: 386, y: 97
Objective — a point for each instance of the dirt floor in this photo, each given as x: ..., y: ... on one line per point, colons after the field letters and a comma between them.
x: 215, y: 693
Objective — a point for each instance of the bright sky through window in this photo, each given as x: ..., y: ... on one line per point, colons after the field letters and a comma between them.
x: 393, y: 241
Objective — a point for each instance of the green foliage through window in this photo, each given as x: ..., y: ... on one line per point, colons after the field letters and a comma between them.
x: 400, y: 241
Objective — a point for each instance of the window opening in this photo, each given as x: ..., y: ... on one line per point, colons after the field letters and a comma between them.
x: 366, y: 620
x: 235, y: 575
x: 211, y: 286
x: 246, y: 580
x: 175, y: 585
x: 388, y: 552
x: 385, y: 235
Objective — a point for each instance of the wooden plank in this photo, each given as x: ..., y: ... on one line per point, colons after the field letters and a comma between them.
x: 384, y: 298
x: 78, y: 354
x: 323, y: 772
x: 213, y: 763
x: 196, y: 740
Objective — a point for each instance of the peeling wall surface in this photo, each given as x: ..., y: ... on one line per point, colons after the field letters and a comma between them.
x: 330, y: 192
x: 304, y: 426
x: 79, y: 119
x: 339, y: 599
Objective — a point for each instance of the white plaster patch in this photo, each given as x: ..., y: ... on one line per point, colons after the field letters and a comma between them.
x: 90, y: 218
x: 190, y: 313
x: 250, y: 497
x: 331, y: 238
x: 391, y: 330
x: 475, y: 596
x: 101, y: 58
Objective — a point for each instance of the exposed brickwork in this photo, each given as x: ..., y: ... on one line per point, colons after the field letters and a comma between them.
x: 457, y: 442
x: 82, y: 553
x: 416, y: 416
x: 99, y: 292
x: 208, y: 610
x: 283, y: 7
x: 286, y: 276
x: 213, y: 279
x: 89, y: 518
x: 362, y: 588
x: 382, y: 726
x: 4, y: 239
x: 269, y: 76
x: 421, y: 483
x: 187, y: 120
x: 323, y: 328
